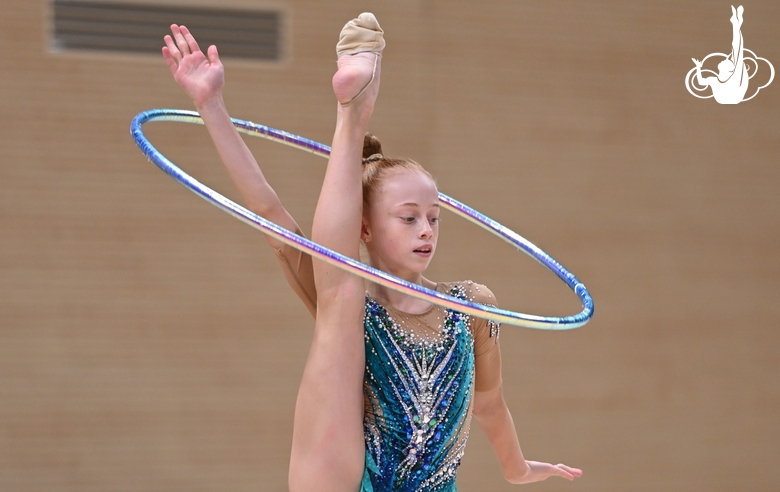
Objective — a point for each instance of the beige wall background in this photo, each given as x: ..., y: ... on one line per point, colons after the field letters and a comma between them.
x: 149, y: 342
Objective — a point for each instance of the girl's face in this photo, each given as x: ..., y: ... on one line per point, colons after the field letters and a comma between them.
x: 401, y: 226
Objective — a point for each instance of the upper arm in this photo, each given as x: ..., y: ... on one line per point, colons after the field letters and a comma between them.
x: 487, y: 350
x: 298, y: 271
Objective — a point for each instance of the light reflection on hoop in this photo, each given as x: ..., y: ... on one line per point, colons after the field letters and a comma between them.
x: 349, y: 264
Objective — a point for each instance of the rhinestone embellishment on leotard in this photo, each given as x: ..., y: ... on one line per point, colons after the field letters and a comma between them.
x: 425, y: 377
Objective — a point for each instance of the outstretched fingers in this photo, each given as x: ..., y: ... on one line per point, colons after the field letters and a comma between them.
x: 181, y: 43
x: 189, y: 40
x: 539, y: 471
x: 176, y: 48
x: 200, y: 75
x: 171, y: 54
x: 568, y: 472
x: 168, y: 57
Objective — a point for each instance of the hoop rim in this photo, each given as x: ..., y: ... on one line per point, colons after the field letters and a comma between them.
x: 349, y: 264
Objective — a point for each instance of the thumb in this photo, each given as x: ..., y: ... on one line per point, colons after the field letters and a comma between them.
x: 213, y: 54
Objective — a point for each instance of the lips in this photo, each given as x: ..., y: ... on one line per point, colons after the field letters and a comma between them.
x: 424, y: 249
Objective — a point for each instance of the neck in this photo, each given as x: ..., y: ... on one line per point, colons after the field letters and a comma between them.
x: 402, y: 302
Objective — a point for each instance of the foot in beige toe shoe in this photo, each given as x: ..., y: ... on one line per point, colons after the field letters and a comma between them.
x: 359, y: 35
x: 359, y: 50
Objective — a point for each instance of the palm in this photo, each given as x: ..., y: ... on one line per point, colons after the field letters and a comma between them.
x: 200, y: 76
x: 542, y: 471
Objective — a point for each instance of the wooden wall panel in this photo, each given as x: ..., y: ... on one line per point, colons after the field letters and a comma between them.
x: 148, y: 341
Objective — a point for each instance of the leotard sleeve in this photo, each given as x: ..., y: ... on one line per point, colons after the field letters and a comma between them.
x: 487, y: 352
x: 299, y: 272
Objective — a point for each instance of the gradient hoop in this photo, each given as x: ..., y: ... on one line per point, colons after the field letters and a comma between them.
x: 349, y: 264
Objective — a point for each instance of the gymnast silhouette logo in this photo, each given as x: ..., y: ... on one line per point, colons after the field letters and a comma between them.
x: 730, y: 84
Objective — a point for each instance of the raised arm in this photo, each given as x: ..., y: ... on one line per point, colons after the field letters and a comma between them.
x: 701, y: 80
x: 203, y: 78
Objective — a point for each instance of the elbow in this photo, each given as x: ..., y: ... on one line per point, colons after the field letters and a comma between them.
x: 263, y: 209
x: 263, y: 200
x: 488, y: 403
x: 480, y: 410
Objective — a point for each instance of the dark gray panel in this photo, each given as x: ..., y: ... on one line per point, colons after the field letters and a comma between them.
x: 103, y: 26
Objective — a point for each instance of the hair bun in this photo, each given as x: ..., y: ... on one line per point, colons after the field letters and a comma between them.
x: 373, y: 158
x: 371, y: 147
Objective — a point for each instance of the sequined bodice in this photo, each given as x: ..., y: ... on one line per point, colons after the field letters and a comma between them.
x: 418, y: 389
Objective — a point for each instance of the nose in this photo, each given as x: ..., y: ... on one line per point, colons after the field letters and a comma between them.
x: 426, y: 230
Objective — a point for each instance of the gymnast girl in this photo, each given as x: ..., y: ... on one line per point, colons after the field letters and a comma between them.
x: 391, y: 382
x: 731, y: 84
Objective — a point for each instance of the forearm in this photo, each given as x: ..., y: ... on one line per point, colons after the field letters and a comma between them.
x: 256, y: 193
x: 699, y: 78
x: 259, y: 197
x: 496, y: 422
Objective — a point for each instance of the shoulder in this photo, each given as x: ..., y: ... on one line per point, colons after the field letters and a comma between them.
x: 485, y: 332
x: 473, y: 291
x: 480, y: 293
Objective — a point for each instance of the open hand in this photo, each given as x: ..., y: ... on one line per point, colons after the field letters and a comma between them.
x: 539, y: 471
x: 201, y: 78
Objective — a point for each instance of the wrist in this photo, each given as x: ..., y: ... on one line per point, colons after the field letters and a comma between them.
x: 211, y: 103
x: 519, y: 473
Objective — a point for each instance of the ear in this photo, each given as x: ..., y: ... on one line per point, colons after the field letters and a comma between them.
x: 365, y: 234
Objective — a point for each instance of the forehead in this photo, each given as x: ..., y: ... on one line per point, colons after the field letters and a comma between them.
x: 408, y: 186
